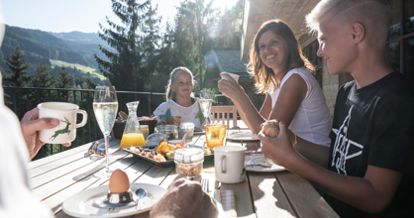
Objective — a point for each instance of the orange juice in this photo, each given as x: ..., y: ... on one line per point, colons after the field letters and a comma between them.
x: 132, y: 139
x: 215, y: 135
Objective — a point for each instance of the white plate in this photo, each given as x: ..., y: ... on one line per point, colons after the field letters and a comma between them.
x: 85, y: 203
x: 256, y: 162
x: 244, y: 136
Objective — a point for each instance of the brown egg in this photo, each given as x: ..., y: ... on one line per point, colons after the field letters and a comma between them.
x: 119, y: 182
x: 270, y: 128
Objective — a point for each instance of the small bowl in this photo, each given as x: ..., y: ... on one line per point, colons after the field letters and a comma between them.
x: 154, y: 139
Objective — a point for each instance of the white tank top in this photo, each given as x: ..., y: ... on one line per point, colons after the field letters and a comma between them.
x: 312, y: 120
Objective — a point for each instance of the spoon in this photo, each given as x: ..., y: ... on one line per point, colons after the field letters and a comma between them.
x: 140, y: 193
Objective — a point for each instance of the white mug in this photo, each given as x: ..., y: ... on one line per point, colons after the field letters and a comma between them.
x: 229, y: 163
x: 66, y: 113
x: 232, y: 75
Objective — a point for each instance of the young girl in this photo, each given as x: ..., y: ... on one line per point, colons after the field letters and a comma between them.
x: 180, y: 101
x: 283, y: 74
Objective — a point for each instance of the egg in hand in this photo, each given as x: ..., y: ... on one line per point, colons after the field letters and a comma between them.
x: 119, y: 182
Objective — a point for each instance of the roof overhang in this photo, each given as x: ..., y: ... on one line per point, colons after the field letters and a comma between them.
x: 257, y: 11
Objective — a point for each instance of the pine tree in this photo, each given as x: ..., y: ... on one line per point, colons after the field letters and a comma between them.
x: 133, y: 42
x: 18, y: 70
x: 65, y: 80
x: 41, y: 77
x: 167, y: 61
x: 229, y: 28
x: 194, y: 21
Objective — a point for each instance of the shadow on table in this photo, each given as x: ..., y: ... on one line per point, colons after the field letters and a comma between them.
x: 89, y: 173
x: 284, y: 205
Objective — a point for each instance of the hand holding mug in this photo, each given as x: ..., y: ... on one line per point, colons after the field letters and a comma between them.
x: 31, y: 124
x: 229, y: 86
x: 66, y: 113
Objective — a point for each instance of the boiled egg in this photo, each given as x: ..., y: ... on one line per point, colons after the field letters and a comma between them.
x: 118, y: 182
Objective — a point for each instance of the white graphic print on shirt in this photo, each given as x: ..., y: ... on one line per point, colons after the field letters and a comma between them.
x: 342, y: 144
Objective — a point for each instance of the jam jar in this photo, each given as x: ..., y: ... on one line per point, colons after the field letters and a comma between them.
x: 189, y: 162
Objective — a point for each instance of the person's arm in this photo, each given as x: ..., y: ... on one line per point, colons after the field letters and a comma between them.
x: 266, y: 108
x: 248, y: 112
x: 316, y: 153
x: 371, y: 193
x: 290, y: 97
x: 313, y: 152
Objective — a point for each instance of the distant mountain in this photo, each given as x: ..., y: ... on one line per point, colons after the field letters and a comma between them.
x: 41, y: 47
x: 80, y: 37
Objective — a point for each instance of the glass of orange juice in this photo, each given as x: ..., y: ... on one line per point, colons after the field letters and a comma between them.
x: 215, y: 134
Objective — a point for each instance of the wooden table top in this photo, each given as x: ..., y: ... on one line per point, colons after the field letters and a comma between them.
x: 277, y: 194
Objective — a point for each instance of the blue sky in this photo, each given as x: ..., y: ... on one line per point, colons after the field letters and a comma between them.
x: 74, y: 15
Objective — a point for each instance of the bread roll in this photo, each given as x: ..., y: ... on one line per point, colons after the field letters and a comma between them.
x: 270, y: 128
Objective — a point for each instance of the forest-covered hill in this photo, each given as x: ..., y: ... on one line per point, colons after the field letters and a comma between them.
x: 40, y: 47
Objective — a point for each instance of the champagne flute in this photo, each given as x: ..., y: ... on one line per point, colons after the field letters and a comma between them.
x: 205, y: 106
x: 205, y: 101
x: 105, y: 107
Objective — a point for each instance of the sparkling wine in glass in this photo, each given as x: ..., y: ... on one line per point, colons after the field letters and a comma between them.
x: 105, y: 107
x: 205, y: 101
x: 205, y: 106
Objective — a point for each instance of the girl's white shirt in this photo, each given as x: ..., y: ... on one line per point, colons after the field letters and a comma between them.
x: 312, y: 120
x: 187, y: 114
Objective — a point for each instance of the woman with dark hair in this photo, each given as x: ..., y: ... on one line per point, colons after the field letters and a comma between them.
x: 283, y: 73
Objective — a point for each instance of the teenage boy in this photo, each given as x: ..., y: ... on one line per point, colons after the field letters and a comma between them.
x: 368, y: 165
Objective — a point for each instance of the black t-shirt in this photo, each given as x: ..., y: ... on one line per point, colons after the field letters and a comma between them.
x: 373, y: 125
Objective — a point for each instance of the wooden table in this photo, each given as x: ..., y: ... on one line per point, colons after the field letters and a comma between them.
x: 282, y: 194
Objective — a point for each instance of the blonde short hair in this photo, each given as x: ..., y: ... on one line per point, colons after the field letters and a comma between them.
x: 375, y: 15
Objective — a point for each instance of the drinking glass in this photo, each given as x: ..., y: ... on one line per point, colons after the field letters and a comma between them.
x: 215, y: 134
x: 205, y: 101
x: 105, y: 107
x: 205, y: 107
